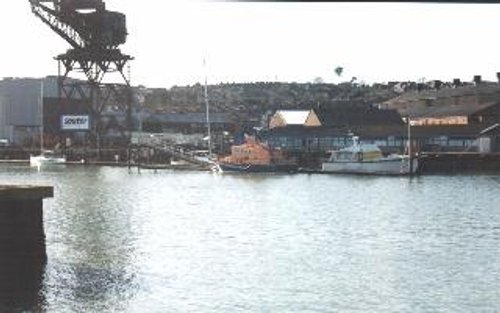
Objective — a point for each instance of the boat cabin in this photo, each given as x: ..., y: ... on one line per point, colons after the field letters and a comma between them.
x: 357, y: 153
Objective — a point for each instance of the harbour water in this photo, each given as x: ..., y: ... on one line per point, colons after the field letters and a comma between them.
x: 119, y: 241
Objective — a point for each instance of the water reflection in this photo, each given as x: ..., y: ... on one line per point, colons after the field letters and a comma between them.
x: 20, y: 285
x: 90, y: 240
x: 85, y: 288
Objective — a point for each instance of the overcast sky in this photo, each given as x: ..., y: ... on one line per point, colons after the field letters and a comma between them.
x: 257, y: 41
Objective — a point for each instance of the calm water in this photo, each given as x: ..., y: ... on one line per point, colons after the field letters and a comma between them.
x: 199, y: 242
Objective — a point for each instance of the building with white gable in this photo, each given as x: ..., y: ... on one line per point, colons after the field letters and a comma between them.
x: 283, y: 118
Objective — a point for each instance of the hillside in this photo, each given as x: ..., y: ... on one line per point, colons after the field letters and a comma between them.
x: 257, y: 98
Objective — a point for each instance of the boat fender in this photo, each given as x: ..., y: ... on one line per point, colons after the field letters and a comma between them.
x: 360, y: 157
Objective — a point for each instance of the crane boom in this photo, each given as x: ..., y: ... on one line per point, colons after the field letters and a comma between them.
x: 93, y: 32
x: 83, y: 23
x: 50, y: 17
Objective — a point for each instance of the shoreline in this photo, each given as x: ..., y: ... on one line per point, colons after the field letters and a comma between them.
x: 429, y: 164
x: 117, y: 164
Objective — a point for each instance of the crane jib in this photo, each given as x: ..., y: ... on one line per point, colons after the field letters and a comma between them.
x: 83, y: 23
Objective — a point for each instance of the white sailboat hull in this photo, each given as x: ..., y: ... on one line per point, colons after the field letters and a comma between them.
x: 41, y: 160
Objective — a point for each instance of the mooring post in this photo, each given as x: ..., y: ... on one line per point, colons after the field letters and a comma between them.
x: 22, y: 245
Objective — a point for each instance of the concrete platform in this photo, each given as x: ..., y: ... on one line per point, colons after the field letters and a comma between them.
x: 25, y: 192
x: 21, y: 221
x: 22, y: 246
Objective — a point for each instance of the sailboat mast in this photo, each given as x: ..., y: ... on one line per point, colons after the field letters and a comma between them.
x: 41, y: 115
x: 409, y: 146
x: 207, y: 107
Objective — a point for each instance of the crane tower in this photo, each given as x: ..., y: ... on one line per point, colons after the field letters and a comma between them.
x: 94, y: 34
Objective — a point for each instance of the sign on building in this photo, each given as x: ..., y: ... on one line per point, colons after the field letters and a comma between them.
x: 75, y: 122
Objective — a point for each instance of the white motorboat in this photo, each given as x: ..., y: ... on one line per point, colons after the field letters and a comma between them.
x: 47, y: 157
x: 361, y: 158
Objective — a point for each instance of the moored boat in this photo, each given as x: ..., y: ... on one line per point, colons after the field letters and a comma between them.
x: 361, y: 158
x: 258, y: 168
x: 47, y: 157
x: 255, y: 156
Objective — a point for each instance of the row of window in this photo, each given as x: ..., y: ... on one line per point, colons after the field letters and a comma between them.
x: 324, y: 144
x: 450, y: 142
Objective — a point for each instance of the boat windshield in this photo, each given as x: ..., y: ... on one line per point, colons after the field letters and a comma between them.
x: 342, y: 156
x: 50, y: 154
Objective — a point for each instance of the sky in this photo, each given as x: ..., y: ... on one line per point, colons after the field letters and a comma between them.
x: 276, y: 41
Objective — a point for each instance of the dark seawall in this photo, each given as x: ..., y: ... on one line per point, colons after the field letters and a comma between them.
x: 458, y: 163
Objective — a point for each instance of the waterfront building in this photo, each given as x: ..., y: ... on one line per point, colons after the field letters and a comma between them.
x: 458, y: 106
x: 331, y: 128
x: 387, y: 129
x: 489, y: 139
x: 20, y: 107
x: 307, y: 118
x: 358, y: 117
x: 320, y: 140
x: 452, y: 119
x: 445, y: 138
x: 21, y: 114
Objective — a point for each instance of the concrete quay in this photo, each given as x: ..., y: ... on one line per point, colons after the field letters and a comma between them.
x: 22, y: 245
x: 458, y: 163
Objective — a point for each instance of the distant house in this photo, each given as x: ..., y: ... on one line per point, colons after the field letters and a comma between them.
x: 462, y: 114
x: 307, y: 118
x: 460, y: 106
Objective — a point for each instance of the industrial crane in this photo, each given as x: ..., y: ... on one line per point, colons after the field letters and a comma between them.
x: 94, y: 35
x: 93, y: 32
